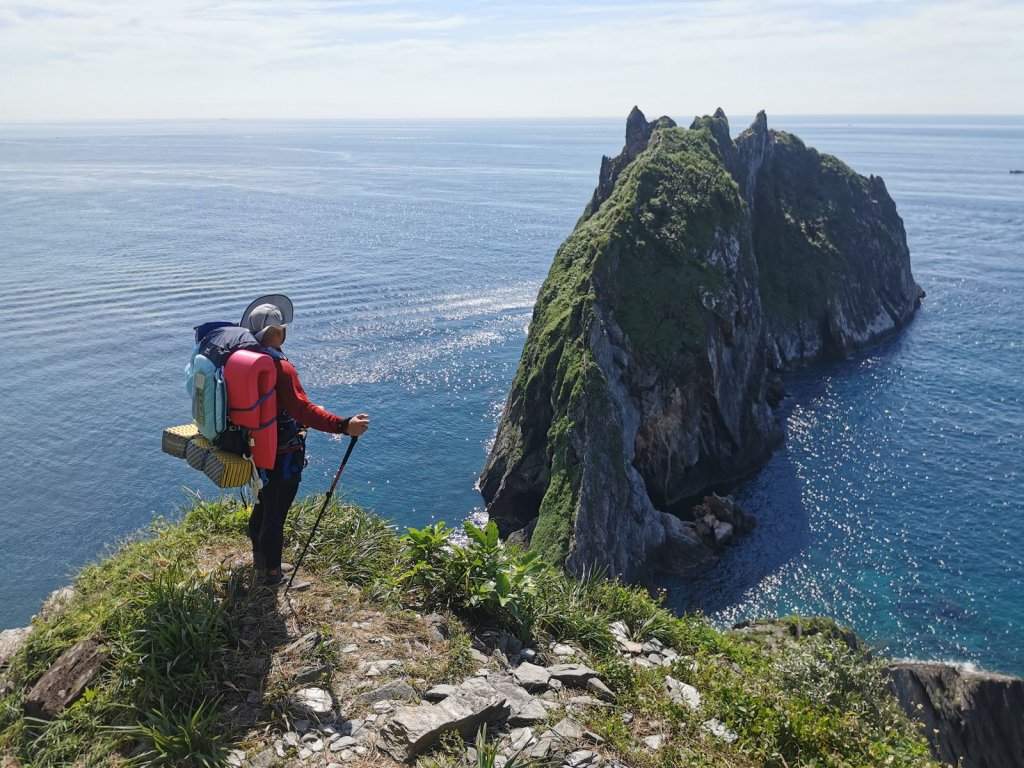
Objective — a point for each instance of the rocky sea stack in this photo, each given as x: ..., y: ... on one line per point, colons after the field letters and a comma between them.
x: 700, y: 268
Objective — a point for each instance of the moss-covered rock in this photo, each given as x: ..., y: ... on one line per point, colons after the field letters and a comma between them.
x: 699, y: 264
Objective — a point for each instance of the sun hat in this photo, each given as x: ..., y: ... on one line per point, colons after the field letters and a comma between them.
x: 272, y: 309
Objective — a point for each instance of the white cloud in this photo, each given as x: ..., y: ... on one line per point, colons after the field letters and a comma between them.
x: 63, y: 59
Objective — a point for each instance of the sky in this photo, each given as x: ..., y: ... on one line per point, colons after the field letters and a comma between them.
x: 203, y: 59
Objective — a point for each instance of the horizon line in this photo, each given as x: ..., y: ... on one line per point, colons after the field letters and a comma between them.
x: 102, y: 120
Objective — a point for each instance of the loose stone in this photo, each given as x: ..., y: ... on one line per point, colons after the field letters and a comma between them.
x: 531, y: 677
x: 439, y: 692
x: 582, y: 758
x: 343, y: 742
x: 568, y: 729
x: 316, y: 700
x: 720, y: 730
x: 653, y: 742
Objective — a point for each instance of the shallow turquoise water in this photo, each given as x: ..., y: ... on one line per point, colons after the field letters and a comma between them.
x: 413, y: 252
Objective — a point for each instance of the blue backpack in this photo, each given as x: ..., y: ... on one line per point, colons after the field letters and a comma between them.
x: 204, y: 374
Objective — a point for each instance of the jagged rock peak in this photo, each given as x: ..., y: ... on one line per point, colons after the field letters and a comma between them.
x: 638, y: 132
x: 638, y: 135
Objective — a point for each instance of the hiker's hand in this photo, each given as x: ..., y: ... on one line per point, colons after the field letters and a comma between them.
x: 357, y: 425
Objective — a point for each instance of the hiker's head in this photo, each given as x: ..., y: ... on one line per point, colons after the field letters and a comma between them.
x: 268, y: 325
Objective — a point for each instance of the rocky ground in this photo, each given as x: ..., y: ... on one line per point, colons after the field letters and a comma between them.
x: 420, y: 650
x: 357, y: 691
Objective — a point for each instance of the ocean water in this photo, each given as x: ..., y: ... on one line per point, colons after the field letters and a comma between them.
x: 413, y: 252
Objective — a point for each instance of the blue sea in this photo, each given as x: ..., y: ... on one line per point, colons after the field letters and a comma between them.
x: 413, y: 252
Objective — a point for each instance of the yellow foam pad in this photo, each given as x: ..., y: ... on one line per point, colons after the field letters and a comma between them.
x: 196, y: 451
x: 175, y: 439
x: 227, y: 470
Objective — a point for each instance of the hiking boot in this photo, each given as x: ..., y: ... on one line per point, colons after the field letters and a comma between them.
x: 259, y: 564
x: 280, y: 580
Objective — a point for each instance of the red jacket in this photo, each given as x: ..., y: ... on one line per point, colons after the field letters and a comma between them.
x: 291, y: 398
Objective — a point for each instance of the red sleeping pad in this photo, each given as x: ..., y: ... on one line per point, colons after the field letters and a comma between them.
x: 250, y: 378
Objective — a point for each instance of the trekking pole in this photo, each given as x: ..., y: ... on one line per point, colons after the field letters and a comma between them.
x: 323, y: 508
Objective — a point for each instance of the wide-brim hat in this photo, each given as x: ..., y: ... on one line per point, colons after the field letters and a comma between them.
x: 263, y: 308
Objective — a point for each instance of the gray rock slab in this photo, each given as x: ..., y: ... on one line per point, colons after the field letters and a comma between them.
x: 519, y: 739
x: 629, y: 646
x: 582, y: 758
x: 568, y: 729
x: 64, y: 682
x: 412, y: 730
x: 720, y: 730
x: 531, y: 676
x: 310, y: 674
x: 439, y: 692
x: 264, y: 759
x: 55, y: 602
x: 397, y: 690
x: 317, y: 701
x: 542, y: 749
x: 597, y: 686
x: 574, y: 675
x: 11, y: 641
x: 682, y: 693
x: 524, y: 709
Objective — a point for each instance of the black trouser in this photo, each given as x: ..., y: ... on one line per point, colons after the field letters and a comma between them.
x: 266, y: 523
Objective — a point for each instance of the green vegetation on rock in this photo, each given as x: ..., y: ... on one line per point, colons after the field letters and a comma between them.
x: 188, y: 635
x: 644, y: 255
x: 803, y: 215
x: 681, y: 205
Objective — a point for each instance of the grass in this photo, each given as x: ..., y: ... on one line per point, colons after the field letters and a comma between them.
x: 191, y: 640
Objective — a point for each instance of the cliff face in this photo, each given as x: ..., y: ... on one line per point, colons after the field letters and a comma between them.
x: 699, y: 265
x: 974, y: 716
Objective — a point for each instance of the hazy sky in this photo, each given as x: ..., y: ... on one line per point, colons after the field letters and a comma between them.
x: 85, y: 59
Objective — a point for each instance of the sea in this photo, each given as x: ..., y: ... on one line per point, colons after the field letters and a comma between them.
x: 413, y: 252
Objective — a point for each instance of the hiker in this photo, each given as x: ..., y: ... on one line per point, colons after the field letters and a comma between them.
x: 269, y: 324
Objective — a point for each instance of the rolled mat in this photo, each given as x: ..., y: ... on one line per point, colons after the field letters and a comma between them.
x: 175, y: 439
x: 197, y: 451
x: 227, y: 470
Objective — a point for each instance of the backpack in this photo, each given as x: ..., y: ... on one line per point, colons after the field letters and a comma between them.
x: 204, y: 381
